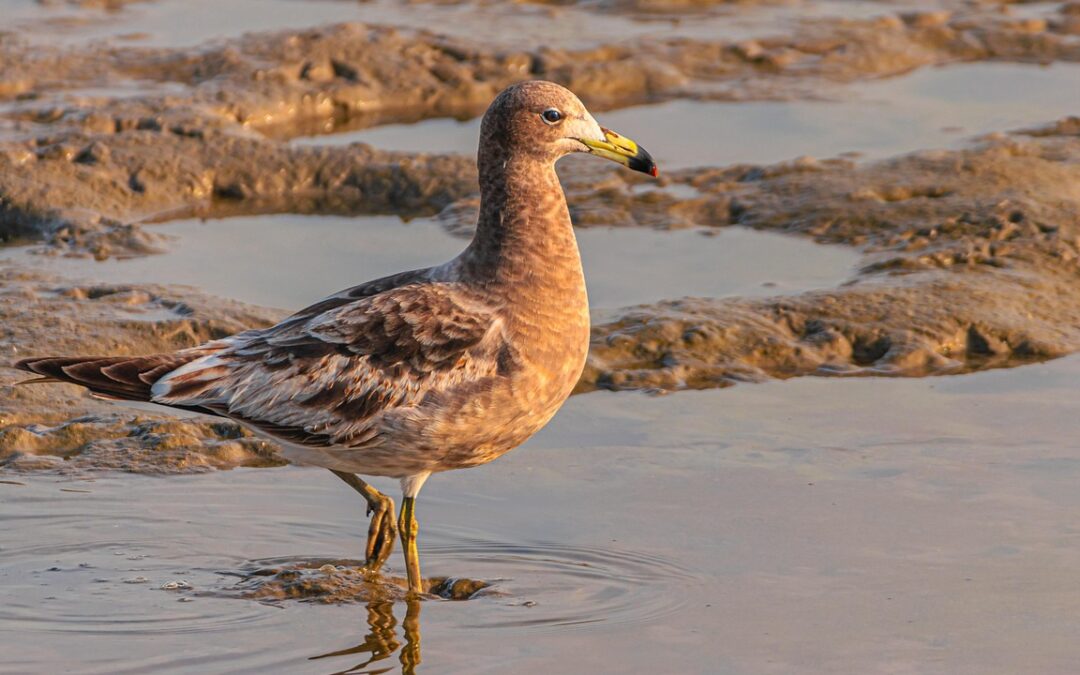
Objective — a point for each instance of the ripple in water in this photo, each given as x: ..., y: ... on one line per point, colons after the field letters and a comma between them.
x: 537, y: 587
x: 88, y: 566
x: 561, y: 586
x: 567, y: 587
x: 116, y: 586
x: 332, y: 581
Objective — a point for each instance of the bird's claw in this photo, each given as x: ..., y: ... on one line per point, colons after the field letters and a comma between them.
x: 381, y: 533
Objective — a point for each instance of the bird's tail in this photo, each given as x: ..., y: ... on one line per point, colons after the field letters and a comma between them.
x: 120, y: 377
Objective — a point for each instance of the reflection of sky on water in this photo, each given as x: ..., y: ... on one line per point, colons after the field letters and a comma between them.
x: 745, y: 527
x: 930, y: 108
x: 181, y: 23
x: 292, y: 260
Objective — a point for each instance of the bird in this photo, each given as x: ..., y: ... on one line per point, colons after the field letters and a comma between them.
x: 419, y: 372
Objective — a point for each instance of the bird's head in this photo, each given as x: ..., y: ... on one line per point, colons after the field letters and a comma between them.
x: 547, y: 120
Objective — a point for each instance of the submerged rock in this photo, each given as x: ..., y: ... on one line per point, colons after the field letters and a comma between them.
x: 333, y: 581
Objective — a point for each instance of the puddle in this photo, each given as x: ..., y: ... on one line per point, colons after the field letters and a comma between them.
x: 172, y: 569
x: 627, y: 266
x: 735, y: 530
x: 929, y: 108
x: 184, y: 23
x: 290, y: 261
x: 170, y: 23
x: 1034, y: 10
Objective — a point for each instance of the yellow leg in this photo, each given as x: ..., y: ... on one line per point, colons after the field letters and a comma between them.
x: 408, y: 528
x: 381, y: 530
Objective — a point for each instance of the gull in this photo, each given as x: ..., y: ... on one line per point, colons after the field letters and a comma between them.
x: 419, y: 372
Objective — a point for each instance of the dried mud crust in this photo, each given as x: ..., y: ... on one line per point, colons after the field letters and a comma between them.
x: 78, y: 168
x: 972, y: 262
x: 59, y: 427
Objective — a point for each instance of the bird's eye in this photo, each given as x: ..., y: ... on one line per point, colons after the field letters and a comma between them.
x: 551, y: 116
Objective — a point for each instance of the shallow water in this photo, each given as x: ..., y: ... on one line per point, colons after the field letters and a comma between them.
x: 930, y: 108
x: 182, y: 23
x: 289, y: 261
x: 813, y: 525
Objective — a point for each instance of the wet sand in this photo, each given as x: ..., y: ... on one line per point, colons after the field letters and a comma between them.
x: 847, y: 523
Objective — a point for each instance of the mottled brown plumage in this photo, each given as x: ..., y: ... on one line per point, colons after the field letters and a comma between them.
x: 424, y: 371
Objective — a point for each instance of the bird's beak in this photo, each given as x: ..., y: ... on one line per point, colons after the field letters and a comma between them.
x: 622, y: 150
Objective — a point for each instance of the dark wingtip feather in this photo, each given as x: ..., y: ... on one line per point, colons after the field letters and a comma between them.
x: 48, y: 366
x: 125, y: 377
x: 25, y: 364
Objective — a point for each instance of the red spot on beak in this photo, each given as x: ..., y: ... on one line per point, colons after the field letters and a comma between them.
x: 654, y: 172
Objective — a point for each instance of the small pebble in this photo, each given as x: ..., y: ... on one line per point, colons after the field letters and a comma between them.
x: 179, y: 584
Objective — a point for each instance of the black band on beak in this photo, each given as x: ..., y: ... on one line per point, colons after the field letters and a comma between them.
x: 643, y: 162
x: 622, y: 150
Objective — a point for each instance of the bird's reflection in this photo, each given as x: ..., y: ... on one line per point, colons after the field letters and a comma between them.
x: 382, y: 640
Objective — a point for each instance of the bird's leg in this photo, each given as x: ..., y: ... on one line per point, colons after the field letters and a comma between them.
x: 408, y: 528
x: 381, y: 530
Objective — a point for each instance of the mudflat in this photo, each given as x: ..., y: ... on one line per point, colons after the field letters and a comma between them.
x: 867, y: 219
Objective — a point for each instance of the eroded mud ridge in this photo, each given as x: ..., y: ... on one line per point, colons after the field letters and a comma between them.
x: 197, y: 126
x: 971, y: 263
x: 60, y: 427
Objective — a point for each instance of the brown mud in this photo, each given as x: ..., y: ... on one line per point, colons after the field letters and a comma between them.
x: 59, y: 427
x: 118, y: 159
x: 334, y: 581
x: 972, y: 263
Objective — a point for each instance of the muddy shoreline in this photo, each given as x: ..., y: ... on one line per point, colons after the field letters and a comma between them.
x: 970, y: 255
x: 212, y: 132
x: 890, y: 487
x: 970, y: 263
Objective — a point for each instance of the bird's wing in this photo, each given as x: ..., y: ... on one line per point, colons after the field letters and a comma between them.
x: 320, y: 377
x: 132, y: 377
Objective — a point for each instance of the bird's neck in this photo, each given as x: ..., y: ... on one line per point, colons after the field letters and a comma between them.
x: 524, y: 235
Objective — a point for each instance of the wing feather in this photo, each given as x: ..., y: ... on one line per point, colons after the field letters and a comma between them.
x: 121, y: 377
x: 322, y: 377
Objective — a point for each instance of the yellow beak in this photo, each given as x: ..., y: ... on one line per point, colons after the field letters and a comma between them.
x: 622, y: 150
